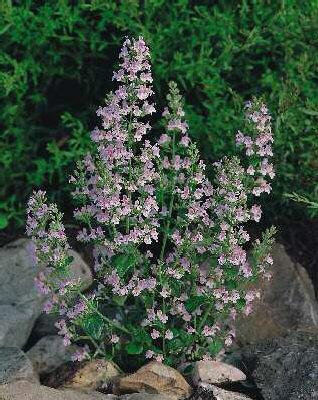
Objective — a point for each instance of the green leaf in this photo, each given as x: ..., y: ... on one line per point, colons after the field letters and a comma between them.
x: 93, y: 325
x: 123, y: 263
x: 231, y: 272
x: 231, y: 284
x: 119, y: 300
x: 310, y: 112
x: 241, y: 304
x: 215, y: 346
x: 134, y: 348
x: 193, y: 302
x: 3, y: 221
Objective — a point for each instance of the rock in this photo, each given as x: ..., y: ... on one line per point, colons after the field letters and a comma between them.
x: 206, y: 392
x: 15, y: 365
x: 20, y: 304
x: 80, y: 270
x: 143, y: 396
x: 16, y: 323
x: 93, y: 375
x: 284, y: 368
x: 23, y: 390
x: 215, y: 372
x: 155, y: 378
x: 49, y: 353
x: 288, y: 303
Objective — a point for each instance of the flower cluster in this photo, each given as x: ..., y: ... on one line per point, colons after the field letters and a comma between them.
x: 117, y: 184
x: 171, y: 266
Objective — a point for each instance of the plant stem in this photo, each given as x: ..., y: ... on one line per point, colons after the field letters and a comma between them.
x: 205, y: 316
x: 129, y: 172
x: 165, y: 238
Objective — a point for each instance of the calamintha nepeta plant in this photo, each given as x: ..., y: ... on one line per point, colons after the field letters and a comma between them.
x: 170, y: 271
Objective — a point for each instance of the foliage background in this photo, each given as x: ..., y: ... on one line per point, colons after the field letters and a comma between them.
x: 55, y: 66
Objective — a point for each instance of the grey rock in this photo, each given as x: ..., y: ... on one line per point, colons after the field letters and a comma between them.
x: 284, y: 368
x: 80, y: 270
x: 49, y: 353
x: 15, y: 365
x: 20, y: 304
x: 288, y: 303
x: 23, y: 390
x: 16, y: 323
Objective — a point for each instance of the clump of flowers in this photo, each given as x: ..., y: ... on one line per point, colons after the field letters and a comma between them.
x: 171, y: 269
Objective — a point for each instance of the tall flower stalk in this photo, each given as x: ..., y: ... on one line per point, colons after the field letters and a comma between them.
x: 171, y: 268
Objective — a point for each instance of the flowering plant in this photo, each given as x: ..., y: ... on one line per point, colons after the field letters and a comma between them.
x: 170, y: 272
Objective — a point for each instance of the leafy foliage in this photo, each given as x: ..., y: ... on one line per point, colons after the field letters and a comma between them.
x: 56, y: 54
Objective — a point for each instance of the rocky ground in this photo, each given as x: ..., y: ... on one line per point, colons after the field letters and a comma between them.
x: 275, y: 357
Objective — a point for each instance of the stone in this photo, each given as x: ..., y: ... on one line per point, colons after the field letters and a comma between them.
x: 49, y: 353
x: 284, y: 368
x: 15, y: 365
x: 93, y: 375
x: 80, y: 270
x: 20, y: 302
x: 215, y: 372
x: 143, y: 396
x: 23, y: 390
x: 155, y: 378
x: 288, y: 303
x: 206, y: 392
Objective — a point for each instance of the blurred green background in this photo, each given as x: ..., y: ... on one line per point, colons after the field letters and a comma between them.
x: 55, y: 68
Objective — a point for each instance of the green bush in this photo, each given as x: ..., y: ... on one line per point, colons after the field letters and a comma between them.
x: 56, y: 56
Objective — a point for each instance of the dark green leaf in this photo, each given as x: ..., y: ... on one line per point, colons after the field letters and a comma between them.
x: 215, y: 346
x: 193, y: 302
x: 123, y: 263
x: 134, y: 348
x: 3, y: 221
x: 93, y: 325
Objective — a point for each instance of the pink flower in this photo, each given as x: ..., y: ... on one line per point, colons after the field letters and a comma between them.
x: 155, y: 334
x: 169, y: 335
x: 149, y: 354
x: 114, y: 339
x: 162, y: 317
x: 176, y: 237
x: 164, y: 138
x: 159, y: 358
x: 143, y: 92
x: 256, y: 213
x: 80, y: 355
x: 185, y: 140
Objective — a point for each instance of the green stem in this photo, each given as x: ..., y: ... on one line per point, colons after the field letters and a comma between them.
x: 165, y: 238
x: 205, y: 316
x: 129, y: 171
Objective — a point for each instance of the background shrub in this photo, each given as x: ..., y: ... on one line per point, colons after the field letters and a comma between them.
x: 56, y: 56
